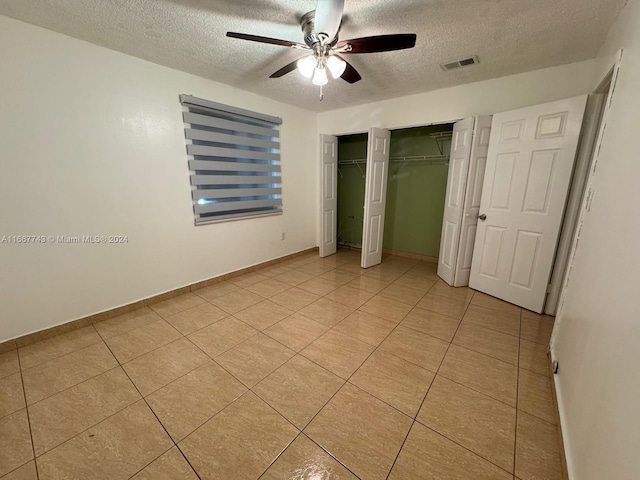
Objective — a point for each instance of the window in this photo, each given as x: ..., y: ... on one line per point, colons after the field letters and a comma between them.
x: 234, y: 159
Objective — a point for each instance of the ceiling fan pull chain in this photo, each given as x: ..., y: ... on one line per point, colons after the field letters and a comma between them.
x: 321, y: 93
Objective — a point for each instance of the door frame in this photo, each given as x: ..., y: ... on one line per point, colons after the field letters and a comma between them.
x: 573, y: 220
x: 589, y: 132
x: 320, y: 233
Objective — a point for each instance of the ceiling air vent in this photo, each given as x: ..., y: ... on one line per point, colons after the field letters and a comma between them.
x: 460, y: 63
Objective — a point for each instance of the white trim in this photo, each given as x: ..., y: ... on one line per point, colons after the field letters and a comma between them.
x: 584, y: 157
x: 586, y: 201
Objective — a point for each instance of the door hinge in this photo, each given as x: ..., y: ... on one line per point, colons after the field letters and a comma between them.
x: 549, y: 287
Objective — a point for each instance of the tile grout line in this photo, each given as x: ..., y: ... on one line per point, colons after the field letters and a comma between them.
x: 26, y: 408
x: 494, y: 330
x: 101, y: 421
x: 311, y: 420
x: 430, y: 385
x: 376, y: 348
x: 478, y: 391
x: 156, y: 417
x: 323, y: 406
x: 59, y: 391
x: 212, y: 359
x: 146, y: 465
x: 332, y: 396
x: 250, y: 389
x: 300, y: 430
x: 515, y: 433
x: 450, y: 439
x: 137, y: 328
x: 357, y: 309
x: 347, y: 381
x: 486, y: 355
x: 475, y: 454
x: 352, y: 374
x: 515, y: 408
x: 444, y: 436
x: 119, y: 365
x: 282, y: 451
x: 80, y: 383
x: 330, y: 454
x: 72, y: 386
x: 63, y: 354
x: 104, y: 338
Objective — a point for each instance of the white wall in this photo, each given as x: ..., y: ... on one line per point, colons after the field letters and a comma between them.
x: 91, y: 143
x: 597, y: 338
x: 450, y: 104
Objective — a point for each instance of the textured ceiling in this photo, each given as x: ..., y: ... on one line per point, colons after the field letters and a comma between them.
x: 508, y: 36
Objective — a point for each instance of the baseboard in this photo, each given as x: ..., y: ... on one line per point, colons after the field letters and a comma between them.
x: 72, y: 325
x: 415, y: 256
x: 556, y: 408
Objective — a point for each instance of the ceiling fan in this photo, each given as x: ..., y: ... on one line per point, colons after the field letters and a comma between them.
x: 320, y: 28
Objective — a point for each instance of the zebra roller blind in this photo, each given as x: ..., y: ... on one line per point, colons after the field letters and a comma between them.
x: 234, y: 160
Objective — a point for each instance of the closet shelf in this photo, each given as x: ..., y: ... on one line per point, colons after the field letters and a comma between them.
x: 441, y: 134
x: 432, y: 159
x: 436, y: 159
x: 441, y: 138
x: 352, y: 162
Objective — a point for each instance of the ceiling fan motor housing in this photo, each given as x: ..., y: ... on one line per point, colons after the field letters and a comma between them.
x: 311, y: 37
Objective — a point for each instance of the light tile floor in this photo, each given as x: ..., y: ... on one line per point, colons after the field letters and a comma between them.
x: 313, y: 368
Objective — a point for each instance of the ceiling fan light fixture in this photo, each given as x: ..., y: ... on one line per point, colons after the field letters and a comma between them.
x: 320, y: 76
x: 307, y: 66
x: 324, y: 51
x: 336, y: 66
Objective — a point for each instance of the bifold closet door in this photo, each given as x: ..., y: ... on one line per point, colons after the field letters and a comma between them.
x: 329, y: 188
x: 375, y: 196
x: 454, y: 198
x: 529, y: 166
x: 472, y: 197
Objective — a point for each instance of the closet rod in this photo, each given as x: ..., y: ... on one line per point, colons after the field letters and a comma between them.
x: 352, y: 162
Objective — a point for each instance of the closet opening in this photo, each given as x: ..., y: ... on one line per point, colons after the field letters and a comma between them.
x: 416, y: 184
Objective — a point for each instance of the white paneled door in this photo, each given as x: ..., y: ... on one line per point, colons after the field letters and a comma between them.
x: 471, y: 209
x: 329, y: 220
x: 529, y: 165
x: 454, y: 198
x: 375, y: 196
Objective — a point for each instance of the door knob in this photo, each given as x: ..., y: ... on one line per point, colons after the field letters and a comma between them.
x: 482, y: 217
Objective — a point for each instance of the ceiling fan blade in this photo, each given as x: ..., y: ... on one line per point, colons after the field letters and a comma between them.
x: 259, y: 39
x: 379, y: 43
x: 328, y: 17
x: 350, y: 74
x: 284, y: 70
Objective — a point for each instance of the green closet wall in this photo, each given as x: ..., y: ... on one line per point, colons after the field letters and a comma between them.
x: 351, y: 188
x: 415, y: 191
